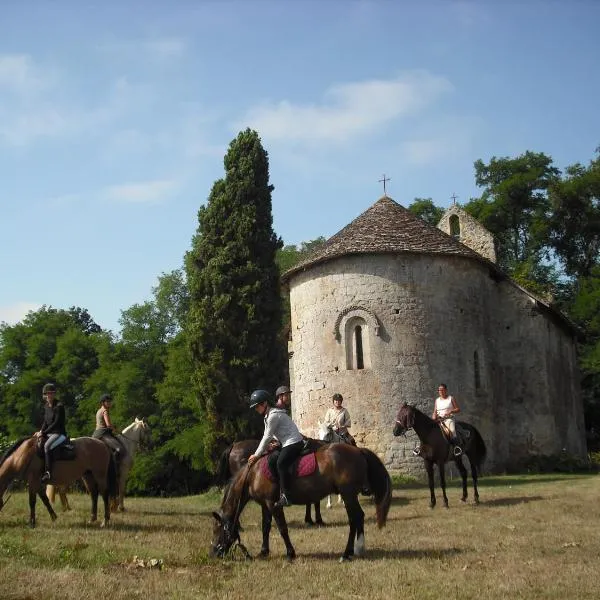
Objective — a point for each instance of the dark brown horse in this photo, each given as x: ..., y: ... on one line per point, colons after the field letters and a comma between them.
x: 341, y: 468
x: 236, y: 456
x: 93, y: 463
x: 436, y: 449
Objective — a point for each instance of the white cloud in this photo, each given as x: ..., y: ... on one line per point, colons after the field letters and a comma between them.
x: 162, y: 49
x: 14, y: 313
x: 19, y: 74
x: 348, y: 109
x: 141, y: 192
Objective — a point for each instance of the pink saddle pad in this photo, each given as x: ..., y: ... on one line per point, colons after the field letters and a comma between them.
x: 307, y: 465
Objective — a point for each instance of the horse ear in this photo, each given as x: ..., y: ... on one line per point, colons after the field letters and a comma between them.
x: 217, y: 517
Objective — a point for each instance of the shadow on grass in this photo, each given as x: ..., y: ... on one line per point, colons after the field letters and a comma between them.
x: 375, y: 554
x: 512, y: 501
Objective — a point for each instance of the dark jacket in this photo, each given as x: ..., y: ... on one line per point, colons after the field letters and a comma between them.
x: 54, y: 420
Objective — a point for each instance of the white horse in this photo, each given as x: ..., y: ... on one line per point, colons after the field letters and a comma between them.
x: 131, y: 437
x: 327, y: 434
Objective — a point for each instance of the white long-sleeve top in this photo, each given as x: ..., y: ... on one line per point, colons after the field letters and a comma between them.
x: 278, y: 426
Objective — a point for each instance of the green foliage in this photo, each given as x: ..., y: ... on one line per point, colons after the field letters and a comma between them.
x: 574, y: 226
x: 235, y: 304
x: 425, y: 209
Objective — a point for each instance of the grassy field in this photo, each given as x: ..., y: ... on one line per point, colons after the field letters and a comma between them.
x: 531, y: 537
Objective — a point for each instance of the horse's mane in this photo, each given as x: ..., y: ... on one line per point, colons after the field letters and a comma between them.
x: 12, y: 449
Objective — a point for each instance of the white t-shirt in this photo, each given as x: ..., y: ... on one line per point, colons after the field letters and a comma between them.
x: 443, y: 406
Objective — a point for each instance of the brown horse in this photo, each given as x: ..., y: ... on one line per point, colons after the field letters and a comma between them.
x: 341, y: 468
x: 236, y: 456
x: 93, y: 463
x: 436, y: 449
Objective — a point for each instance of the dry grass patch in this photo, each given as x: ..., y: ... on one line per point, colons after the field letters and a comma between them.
x: 532, y: 537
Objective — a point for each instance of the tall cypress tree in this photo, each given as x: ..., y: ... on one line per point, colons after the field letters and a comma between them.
x: 235, y: 303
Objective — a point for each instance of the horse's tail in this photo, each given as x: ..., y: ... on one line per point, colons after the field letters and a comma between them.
x: 223, y: 470
x: 380, y: 485
x: 111, y: 478
x: 478, y: 450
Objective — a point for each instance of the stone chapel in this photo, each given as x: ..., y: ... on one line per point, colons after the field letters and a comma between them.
x: 389, y: 307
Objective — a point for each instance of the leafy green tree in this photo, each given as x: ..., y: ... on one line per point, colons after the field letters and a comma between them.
x: 574, y: 226
x: 425, y: 209
x: 235, y: 302
x: 48, y: 345
x: 514, y: 205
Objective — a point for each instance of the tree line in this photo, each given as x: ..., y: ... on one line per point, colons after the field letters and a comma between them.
x: 217, y: 328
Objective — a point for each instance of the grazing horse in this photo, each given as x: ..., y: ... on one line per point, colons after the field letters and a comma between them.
x: 339, y: 468
x: 236, y: 456
x: 93, y: 462
x: 437, y: 450
x: 131, y: 438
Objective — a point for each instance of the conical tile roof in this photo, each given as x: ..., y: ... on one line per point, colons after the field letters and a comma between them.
x: 386, y: 227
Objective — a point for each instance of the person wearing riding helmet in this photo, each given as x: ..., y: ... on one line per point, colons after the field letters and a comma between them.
x: 278, y: 426
x: 283, y: 397
x: 105, y: 430
x: 53, y: 427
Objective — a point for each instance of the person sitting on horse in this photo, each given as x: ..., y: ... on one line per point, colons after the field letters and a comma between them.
x: 283, y: 397
x: 278, y: 426
x: 338, y: 418
x: 105, y: 430
x: 444, y: 409
x: 53, y: 427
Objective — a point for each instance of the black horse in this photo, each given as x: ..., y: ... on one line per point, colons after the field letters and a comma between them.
x: 436, y: 449
x: 235, y: 456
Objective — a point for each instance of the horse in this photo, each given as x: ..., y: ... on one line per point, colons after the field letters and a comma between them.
x: 339, y: 468
x: 235, y: 456
x: 327, y: 434
x: 131, y: 438
x: 436, y: 449
x: 92, y: 461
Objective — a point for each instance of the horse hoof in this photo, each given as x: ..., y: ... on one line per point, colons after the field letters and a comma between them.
x: 476, y: 500
x: 264, y: 553
x: 344, y: 559
x: 309, y: 523
x: 463, y: 499
x: 321, y: 524
x: 290, y: 557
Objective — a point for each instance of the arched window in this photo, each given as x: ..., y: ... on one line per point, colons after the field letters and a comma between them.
x: 455, y: 226
x: 356, y: 340
x: 360, y: 362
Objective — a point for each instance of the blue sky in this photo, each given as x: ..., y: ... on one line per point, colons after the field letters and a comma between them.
x: 115, y: 116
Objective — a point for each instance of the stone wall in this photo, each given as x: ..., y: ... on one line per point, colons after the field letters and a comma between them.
x: 471, y: 232
x: 425, y: 320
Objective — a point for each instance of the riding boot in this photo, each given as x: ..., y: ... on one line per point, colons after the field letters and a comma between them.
x: 283, y: 501
x: 48, y: 467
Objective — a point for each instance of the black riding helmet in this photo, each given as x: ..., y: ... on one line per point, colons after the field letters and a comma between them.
x: 105, y: 397
x: 258, y: 397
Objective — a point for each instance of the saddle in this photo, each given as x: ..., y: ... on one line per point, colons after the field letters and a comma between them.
x: 303, y: 466
x: 66, y: 450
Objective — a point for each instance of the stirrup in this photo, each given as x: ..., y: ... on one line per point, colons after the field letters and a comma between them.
x: 457, y: 451
x: 417, y: 451
x: 46, y: 476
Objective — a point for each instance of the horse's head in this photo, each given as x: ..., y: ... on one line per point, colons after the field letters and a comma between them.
x: 404, y: 419
x: 225, y: 533
x: 144, y: 430
x: 325, y: 432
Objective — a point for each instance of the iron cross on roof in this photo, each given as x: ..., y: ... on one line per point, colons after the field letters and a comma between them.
x: 384, y: 180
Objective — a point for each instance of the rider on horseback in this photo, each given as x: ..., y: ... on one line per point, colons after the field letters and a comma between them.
x: 53, y: 426
x: 338, y: 418
x: 279, y: 426
x: 444, y: 409
x: 104, y: 427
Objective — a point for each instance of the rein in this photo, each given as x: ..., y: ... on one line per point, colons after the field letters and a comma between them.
x: 236, y: 516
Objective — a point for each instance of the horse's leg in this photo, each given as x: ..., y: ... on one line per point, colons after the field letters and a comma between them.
x: 92, y: 487
x: 283, y: 530
x: 32, y: 494
x: 307, y: 515
x: 356, y: 519
x: 106, y: 500
x: 441, y: 465
x: 429, y: 469
x: 463, y: 473
x: 64, y: 501
x: 44, y: 497
x: 267, y: 519
x: 474, y: 476
x: 318, y: 518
